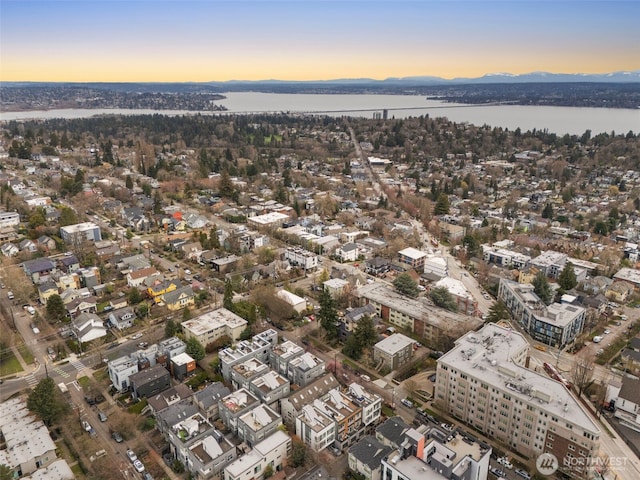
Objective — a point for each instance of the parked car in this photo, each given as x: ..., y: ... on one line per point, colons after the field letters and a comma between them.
x: 432, y: 378
x: 504, y: 461
x: 407, y: 403
x: 143, y: 345
x: 524, y: 474
x: 117, y: 437
x: 90, y: 400
x: 607, y: 331
x: 138, y: 466
x: 136, y: 336
x: 102, y: 416
x: 147, y: 476
x: 498, y: 473
x: 132, y: 455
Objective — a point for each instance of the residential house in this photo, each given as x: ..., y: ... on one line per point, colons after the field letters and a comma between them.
x: 619, y: 291
x: 180, y: 298
x: 243, y: 373
x: 122, y: 318
x: 9, y: 249
x: 149, y: 382
x: 88, y: 327
x: 628, y: 403
x: 347, y: 253
x: 80, y: 232
x: 365, y: 457
x: 28, y: 245
x: 157, y: 290
x: 39, y: 270
x: 136, y: 278
x: 336, y: 287
x: 269, y: 388
x: 299, y: 304
x: 46, y: 290
x: 282, y: 354
x: 82, y: 305
x: 46, y: 243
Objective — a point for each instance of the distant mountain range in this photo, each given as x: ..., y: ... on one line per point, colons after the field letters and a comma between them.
x: 533, y: 77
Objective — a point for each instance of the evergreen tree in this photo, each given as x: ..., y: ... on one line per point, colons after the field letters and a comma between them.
x: 498, y: 311
x: 542, y: 288
x: 442, y: 205
x: 129, y: 182
x: 46, y: 401
x: 405, y: 285
x: 567, y: 279
x: 227, y: 302
x: 214, y: 239
x: 226, y: 184
x: 328, y: 314
x: 194, y: 349
x: 170, y: 328
x: 56, y: 310
x: 443, y: 299
x: 547, y: 212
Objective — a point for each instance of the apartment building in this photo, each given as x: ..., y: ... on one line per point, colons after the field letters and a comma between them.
x: 211, y: 326
x: 305, y: 369
x: 504, y: 257
x: 271, y: 452
x: 282, y: 354
x: 235, y: 405
x: 207, y: 399
x: 483, y: 381
x: 550, y: 262
x: 315, y: 427
x: 259, y: 347
x: 292, y: 406
x: 556, y: 324
x: 243, y: 373
x: 413, y: 257
x: 420, y: 456
x: 415, y: 315
x: 394, y: 351
x: 270, y: 388
x: 80, y: 232
x: 257, y: 424
x: 300, y: 257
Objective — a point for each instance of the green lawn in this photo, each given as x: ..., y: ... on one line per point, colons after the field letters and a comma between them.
x: 84, y: 382
x: 25, y: 353
x: 10, y: 365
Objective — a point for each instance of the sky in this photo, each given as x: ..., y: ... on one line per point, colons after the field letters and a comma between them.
x: 208, y: 40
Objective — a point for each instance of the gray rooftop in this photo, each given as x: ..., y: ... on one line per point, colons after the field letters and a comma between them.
x: 369, y: 451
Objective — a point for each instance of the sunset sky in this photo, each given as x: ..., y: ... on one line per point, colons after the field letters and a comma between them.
x: 166, y: 41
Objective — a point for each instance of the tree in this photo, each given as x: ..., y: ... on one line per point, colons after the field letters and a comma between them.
x: 128, y: 182
x: 442, y: 205
x: 214, y: 239
x: 567, y: 279
x: 195, y: 349
x: 268, y: 472
x: 227, y: 302
x: 547, y: 211
x: 352, y: 347
x: 298, y: 453
x: 134, y: 296
x: 170, y: 328
x: 443, y: 299
x: 226, y: 187
x: 542, y: 288
x: 582, y: 372
x: 365, y: 332
x: 67, y: 217
x: 405, y: 285
x: 498, y: 311
x: 46, y: 401
x: 328, y: 314
x: 6, y: 473
x: 56, y: 310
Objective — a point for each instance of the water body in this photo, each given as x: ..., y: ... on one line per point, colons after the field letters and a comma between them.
x: 559, y: 120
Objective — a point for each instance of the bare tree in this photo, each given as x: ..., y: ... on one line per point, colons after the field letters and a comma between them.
x: 582, y: 372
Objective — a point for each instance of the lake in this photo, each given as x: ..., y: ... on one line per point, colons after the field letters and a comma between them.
x: 559, y: 120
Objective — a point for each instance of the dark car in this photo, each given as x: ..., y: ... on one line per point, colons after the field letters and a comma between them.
x: 117, y: 437
x: 99, y: 398
x: 90, y: 400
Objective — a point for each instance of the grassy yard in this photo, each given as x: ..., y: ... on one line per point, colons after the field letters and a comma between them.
x: 84, y: 382
x: 25, y: 353
x: 101, y: 375
x: 388, y: 411
x: 10, y: 365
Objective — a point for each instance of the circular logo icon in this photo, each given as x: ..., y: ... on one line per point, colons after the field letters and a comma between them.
x: 547, y: 464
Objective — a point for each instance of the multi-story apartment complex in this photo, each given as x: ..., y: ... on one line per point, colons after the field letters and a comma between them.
x: 271, y: 452
x: 80, y: 232
x: 243, y: 373
x: 556, y: 324
x: 550, y: 262
x: 270, y: 388
x: 420, y: 456
x: 211, y: 326
x: 9, y: 219
x: 483, y: 381
x: 504, y: 257
x: 305, y: 369
x: 282, y: 354
x: 259, y: 347
x: 234, y: 405
x: 393, y: 351
x: 301, y: 257
x: 416, y: 315
x: 292, y: 406
x: 413, y: 257
x: 257, y: 424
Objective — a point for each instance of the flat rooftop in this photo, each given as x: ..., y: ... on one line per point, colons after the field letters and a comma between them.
x: 490, y: 354
x: 394, y: 343
x: 212, y: 321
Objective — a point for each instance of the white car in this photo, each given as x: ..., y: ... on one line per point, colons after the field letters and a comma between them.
x: 505, y: 463
x: 136, y: 336
x: 607, y: 331
x: 132, y: 456
x: 138, y: 466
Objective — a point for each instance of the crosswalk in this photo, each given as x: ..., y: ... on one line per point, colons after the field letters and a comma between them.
x: 61, y: 372
x: 31, y: 380
x: 78, y: 365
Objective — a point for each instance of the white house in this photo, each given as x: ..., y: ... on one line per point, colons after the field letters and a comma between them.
x: 299, y: 304
x: 347, y: 252
x: 88, y: 326
x: 272, y: 451
x: 628, y: 403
